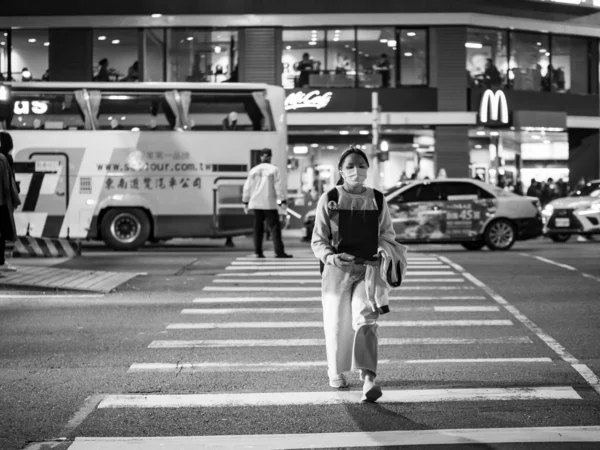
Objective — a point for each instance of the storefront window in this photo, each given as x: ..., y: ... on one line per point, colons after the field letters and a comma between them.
x: 303, y: 58
x: 341, y: 58
x: 154, y: 55
x: 203, y: 55
x: 569, y: 65
x: 3, y: 55
x: 116, y: 55
x: 29, y: 55
x: 529, y: 60
x: 376, y: 57
x: 413, y: 56
x: 487, y: 62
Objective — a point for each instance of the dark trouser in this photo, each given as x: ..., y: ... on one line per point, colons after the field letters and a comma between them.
x: 272, y: 218
x: 2, y: 250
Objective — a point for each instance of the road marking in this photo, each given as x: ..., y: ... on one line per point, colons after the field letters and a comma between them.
x: 214, y: 311
x: 564, y: 266
x: 582, y: 369
x: 67, y: 296
x: 334, y: 398
x: 418, y: 438
x: 221, y: 343
x: 318, y: 299
x: 274, y: 366
x: 315, y: 262
x: 89, y: 406
x: 318, y: 280
x: 383, y: 323
x: 310, y: 288
x: 311, y: 273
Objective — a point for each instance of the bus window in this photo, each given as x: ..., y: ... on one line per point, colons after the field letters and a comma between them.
x: 135, y: 111
x: 229, y: 111
x: 45, y: 111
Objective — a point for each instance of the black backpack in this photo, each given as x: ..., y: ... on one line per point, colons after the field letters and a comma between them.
x: 333, y: 196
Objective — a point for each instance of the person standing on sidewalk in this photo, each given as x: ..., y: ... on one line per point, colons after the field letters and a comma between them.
x: 9, y: 198
x: 262, y: 192
x: 345, y: 239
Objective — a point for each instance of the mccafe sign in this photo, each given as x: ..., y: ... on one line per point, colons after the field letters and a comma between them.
x: 313, y: 100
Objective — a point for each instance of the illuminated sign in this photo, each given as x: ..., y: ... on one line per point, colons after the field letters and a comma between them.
x: 499, y: 107
x: 313, y: 99
x: 27, y: 107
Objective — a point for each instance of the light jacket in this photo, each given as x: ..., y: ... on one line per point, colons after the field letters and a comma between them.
x: 263, y: 187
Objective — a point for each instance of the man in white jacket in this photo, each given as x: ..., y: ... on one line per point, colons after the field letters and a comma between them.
x: 262, y: 191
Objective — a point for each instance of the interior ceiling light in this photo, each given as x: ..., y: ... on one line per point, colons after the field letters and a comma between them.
x: 32, y: 40
x: 156, y: 16
x: 383, y: 41
x: 190, y: 38
x: 46, y: 44
x: 344, y: 132
x: 480, y: 133
x: 411, y: 34
x: 473, y: 45
x: 289, y: 47
x: 336, y: 39
x: 408, y: 54
x: 101, y: 38
x: 363, y: 132
x: 116, y: 41
x: 312, y: 43
x: 478, y: 146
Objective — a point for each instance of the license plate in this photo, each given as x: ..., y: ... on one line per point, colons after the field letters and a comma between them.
x: 562, y: 222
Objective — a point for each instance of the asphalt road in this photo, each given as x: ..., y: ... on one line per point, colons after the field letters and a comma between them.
x: 482, y: 353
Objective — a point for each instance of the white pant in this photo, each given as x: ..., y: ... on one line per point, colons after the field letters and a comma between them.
x: 349, y: 322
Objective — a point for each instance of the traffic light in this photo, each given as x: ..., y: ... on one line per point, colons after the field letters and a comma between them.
x: 383, y: 153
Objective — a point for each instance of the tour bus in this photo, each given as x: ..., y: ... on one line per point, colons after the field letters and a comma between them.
x: 131, y: 162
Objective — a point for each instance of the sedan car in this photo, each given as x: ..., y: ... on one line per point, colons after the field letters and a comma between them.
x: 462, y: 211
x: 578, y: 213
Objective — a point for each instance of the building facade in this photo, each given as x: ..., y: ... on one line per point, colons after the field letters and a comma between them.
x: 503, y: 90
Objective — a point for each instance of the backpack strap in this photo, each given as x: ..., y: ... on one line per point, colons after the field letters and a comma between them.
x: 332, y: 212
x: 378, y: 200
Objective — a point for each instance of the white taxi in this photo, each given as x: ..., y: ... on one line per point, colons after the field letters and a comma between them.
x: 579, y: 213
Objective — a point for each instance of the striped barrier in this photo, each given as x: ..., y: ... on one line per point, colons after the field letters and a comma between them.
x: 45, y: 247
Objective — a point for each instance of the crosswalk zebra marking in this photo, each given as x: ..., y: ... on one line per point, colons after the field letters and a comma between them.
x: 216, y: 311
x: 318, y: 280
x: 482, y: 436
x: 223, y: 343
x: 307, y: 273
x: 318, y: 289
x: 210, y: 300
x: 275, y: 366
x: 335, y: 398
x: 316, y: 324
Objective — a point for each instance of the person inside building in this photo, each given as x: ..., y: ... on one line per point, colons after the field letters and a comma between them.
x: 346, y: 238
x: 306, y: 66
x: 491, y: 76
x: 230, y: 122
x: 262, y: 192
x: 383, y: 66
x: 133, y: 73
x: 9, y: 199
x: 102, y: 74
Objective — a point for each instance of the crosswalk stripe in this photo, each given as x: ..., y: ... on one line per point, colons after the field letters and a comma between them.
x: 221, y: 343
x: 318, y: 299
x: 383, y: 323
x: 311, y: 273
x: 318, y: 280
x: 214, y: 311
x: 334, y: 398
x: 315, y: 262
x: 310, y: 288
x: 482, y: 436
x: 316, y: 267
x: 313, y: 258
x: 275, y: 366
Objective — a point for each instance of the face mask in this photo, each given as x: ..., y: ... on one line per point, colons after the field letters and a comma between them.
x: 354, y: 176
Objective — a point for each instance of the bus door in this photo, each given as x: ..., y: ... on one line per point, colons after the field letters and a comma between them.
x: 228, y: 213
x: 44, y: 190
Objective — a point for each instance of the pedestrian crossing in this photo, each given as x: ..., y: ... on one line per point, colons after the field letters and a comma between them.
x: 263, y: 317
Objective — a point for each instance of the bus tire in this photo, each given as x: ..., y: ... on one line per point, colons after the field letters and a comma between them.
x: 125, y: 228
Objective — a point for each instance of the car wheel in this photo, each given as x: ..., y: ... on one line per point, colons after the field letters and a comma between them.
x: 474, y: 245
x: 562, y: 237
x: 500, y: 235
x: 125, y: 229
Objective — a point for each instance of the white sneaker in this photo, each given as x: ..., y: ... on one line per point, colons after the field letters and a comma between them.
x: 7, y: 268
x: 338, y: 382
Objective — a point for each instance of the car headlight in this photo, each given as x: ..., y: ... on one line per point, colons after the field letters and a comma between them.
x: 548, y: 210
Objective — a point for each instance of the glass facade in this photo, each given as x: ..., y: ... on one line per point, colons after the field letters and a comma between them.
x: 569, y: 64
x: 354, y: 57
x: 487, y: 62
x: 29, y: 54
x: 529, y: 61
x: 3, y: 55
x: 116, y: 54
x: 202, y: 55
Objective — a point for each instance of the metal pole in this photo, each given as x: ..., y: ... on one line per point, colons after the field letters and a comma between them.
x: 375, y: 138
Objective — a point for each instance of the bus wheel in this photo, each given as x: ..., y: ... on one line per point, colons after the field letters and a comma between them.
x: 125, y: 229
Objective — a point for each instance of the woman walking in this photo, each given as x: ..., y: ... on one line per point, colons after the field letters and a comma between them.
x: 9, y: 198
x: 346, y: 236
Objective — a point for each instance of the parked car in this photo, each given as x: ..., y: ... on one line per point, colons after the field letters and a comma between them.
x: 578, y: 213
x: 462, y: 211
